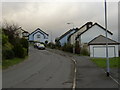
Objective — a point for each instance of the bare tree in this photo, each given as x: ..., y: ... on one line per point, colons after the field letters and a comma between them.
x: 11, y: 30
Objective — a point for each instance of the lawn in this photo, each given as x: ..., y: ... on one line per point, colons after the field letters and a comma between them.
x: 101, y: 62
x: 11, y: 62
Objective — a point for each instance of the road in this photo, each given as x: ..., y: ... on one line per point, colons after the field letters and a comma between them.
x: 88, y: 74
x: 43, y: 69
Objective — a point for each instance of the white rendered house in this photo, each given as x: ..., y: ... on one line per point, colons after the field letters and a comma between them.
x: 38, y: 36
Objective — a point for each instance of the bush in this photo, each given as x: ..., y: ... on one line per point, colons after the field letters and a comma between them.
x: 51, y: 45
x: 19, y: 51
x: 24, y: 43
x: 8, y: 54
x: 7, y: 51
x: 77, y: 47
x: 4, y: 39
x: 67, y: 48
x: 84, y: 51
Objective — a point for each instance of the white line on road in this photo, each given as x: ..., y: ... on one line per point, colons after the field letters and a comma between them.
x: 75, y: 70
x: 112, y: 78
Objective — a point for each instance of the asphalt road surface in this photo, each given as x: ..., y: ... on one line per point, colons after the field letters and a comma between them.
x: 88, y: 74
x: 43, y: 69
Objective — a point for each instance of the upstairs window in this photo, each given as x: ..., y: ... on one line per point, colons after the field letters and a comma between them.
x: 38, y: 36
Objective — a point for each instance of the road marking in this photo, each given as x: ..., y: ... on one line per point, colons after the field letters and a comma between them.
x: 112, y: 77
x: 75, y: 70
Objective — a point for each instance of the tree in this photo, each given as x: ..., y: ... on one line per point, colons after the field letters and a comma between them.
x: 57, y: 42
x: 46, y: 42
x: 11, y: 31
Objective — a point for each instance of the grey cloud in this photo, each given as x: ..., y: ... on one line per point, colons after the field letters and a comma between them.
x: 52, y: 17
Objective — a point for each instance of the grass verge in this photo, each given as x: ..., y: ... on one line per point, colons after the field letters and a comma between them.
x: 101, y: 62
x: 10, y: 62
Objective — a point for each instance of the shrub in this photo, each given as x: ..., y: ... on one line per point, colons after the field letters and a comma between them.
x: 24, y: 43
x: 7, y: 51
x: 51, y: 45
x: 77, y: 47
x: 84, y: 51
x: 57, y: 43
x: 4, y: 39
x: 46, y: 42
x: 8, y: 54
x: 19, y: 51
x: 67, y: 47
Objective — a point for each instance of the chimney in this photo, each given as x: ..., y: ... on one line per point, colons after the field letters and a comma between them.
x: 89, y: 24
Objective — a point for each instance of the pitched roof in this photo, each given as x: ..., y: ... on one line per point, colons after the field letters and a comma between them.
x: 81, y: 27
x: 67, y: 33
x: 101, y: 40
x: 91, y: 27
x: 39, y: 30
x: 24, y: 31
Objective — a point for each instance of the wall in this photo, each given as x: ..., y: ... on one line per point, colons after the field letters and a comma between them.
x: 72, y: 38
x: 92, y: 33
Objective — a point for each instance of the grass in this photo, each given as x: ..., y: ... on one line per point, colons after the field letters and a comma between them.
x: 101, y: 62
x: 10, y: 62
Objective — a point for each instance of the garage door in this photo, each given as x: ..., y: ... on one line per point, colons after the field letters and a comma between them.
x: 101, y: 51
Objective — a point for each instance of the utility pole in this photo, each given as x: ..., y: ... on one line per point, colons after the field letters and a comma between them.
x: 73, y: 43
x: 107, y: 57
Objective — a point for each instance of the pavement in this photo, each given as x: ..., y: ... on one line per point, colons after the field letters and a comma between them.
x: 91, y: 76
x: 88, y: 75
x: 43, y: 69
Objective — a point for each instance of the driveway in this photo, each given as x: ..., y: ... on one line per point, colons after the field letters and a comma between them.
x: 43, y: 69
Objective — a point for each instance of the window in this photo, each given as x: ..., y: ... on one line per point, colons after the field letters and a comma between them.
x: 38, y: 36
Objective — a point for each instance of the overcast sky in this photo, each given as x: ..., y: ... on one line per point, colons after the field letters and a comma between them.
x: 54, y: 16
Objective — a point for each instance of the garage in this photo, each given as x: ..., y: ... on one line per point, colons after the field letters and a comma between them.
x: 100, y: 51
x: 97, y: 47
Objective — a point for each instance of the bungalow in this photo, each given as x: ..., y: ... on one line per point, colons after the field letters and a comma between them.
x: 38, y: 36
x: 64, y: 38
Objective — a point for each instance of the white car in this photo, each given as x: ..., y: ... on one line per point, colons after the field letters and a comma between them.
x: 36, y: 45
x: 41, y: 46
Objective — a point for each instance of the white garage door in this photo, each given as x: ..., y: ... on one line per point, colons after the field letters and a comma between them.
x: 101, y: 51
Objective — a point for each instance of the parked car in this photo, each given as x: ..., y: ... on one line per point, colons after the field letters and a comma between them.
x: 41, y: 46
x: 36, y: 45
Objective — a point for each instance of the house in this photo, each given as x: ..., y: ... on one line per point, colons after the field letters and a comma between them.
x: 71, y: 38
x: 87, y: 33
x: 38, y: 36
x: 21, y: 33
x: 64, y: 38
x: 97, y: 47
x: 92, y: 32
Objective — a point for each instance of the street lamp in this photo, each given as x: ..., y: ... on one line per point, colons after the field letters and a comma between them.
x: 107, y: 57
x: 73, y: 43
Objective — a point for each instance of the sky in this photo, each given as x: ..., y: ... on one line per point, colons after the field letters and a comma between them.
x: 52, y: 17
